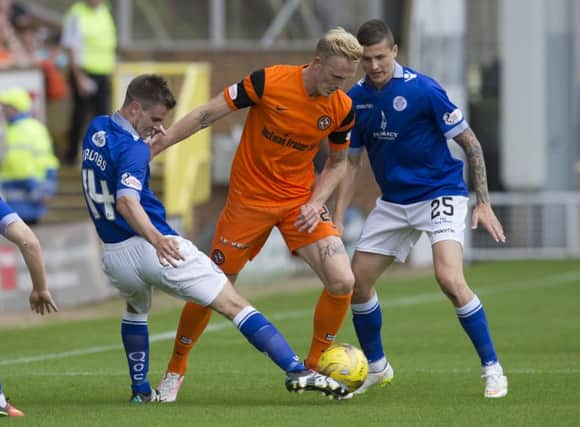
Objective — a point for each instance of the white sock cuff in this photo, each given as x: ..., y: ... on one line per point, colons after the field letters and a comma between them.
x: 470, y: 308
x: 366, y: 307
x: 135, y: 317
x: 243, y: 315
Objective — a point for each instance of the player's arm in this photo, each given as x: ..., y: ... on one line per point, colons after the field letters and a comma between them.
x: 129, y: 206
x: 22, y: 236
x: 345, y: 188
x: 331, y: 174
x: 482, y: 211
x: 196, y: 120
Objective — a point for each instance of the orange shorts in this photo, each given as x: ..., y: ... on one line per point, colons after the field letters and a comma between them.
x: 242, y: 230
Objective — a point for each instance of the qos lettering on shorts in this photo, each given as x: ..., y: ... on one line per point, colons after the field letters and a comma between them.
x: 137, y: 368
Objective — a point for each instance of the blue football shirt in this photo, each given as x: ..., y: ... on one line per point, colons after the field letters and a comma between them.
x: 405, y: 126
x: 7, y: 216
x: 115, y: 162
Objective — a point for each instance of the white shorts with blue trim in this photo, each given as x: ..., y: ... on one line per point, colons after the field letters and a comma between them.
x: 134, y: 269
x: 392, y: 229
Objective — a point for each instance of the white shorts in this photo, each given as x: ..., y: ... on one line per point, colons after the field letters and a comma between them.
x: 134, y: 269
x: 393, y: 229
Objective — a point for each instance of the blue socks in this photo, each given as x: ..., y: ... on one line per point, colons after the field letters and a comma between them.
x: 472, y: 318
x: 266, y: 338
x: 368, y: 321
x: 135, y: 335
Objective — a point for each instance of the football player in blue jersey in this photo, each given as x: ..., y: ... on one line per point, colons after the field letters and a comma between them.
x: 141, y: 250
x: 403, y: 120
x: 14, y: 229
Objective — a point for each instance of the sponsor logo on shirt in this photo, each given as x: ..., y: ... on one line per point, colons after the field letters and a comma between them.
x: 407, y: 76
x: 363, y: 106
x: 453, y: 118
x: 99, y: 138
x: 130, y: 181
x: 286, y: 141
x: 233, y: 91
x: 399, y: 103
x: 383, y: 134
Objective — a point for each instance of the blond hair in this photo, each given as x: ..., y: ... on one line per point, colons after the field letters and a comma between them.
x: 339, y: 42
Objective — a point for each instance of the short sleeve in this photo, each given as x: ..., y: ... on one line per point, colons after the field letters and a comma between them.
x: 7, y: 216
x: 340, y: 137
x: 448, y: 116
x: 246, y: 92
x: 132, y: 170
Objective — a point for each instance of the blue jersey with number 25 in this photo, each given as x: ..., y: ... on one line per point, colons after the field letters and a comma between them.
x: 115, y: 163
x: 405, y: 126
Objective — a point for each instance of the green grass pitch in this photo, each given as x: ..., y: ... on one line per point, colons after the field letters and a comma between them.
x: 73, y: 373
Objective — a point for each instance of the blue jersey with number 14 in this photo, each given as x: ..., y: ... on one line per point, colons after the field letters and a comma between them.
x: 115, y: 162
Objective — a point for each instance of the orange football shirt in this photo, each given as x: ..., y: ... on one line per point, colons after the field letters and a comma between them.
x: 282, y: 134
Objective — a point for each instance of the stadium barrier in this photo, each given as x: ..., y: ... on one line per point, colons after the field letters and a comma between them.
x: 72, y: 256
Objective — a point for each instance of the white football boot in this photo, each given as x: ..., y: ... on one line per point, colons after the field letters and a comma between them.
x: 496, y: 383
x: 169, y: 387
x: 380, y: 378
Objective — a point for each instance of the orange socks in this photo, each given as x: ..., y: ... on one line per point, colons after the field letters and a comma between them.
x: 328, y: 317
x: 194, y: 318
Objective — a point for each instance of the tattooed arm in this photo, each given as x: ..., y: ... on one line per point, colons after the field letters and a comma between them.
x: 482, y: 211
x: 346, y: 188
x: 199, y: 118
x: 333, y: 171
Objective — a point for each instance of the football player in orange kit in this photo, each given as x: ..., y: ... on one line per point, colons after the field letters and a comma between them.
x: 293, y: 108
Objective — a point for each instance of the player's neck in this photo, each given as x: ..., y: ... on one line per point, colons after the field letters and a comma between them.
x: 308, y: 81
x: 388, y: 78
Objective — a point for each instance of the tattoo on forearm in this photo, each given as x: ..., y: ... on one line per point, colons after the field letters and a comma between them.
x: 333, y: 248
x: 204, y: 119
x: 468, y: 141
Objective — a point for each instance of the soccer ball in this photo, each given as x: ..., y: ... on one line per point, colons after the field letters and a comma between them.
x: 344, y: 363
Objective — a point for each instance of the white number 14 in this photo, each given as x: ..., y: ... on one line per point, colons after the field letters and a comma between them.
x: 105, y: 197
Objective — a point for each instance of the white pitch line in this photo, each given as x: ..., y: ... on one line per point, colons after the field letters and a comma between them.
x: 428, y: 297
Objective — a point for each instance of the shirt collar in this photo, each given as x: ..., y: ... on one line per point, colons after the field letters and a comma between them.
x: 122, y: 122
x: 398, y: 73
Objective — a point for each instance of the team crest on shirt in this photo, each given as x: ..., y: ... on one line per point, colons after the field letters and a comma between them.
x: 399, y: 103
x: 323, y: 122
x: 130, y: 181
x: 99, y: 138
x: 453, y: 118
x: 218, y: 257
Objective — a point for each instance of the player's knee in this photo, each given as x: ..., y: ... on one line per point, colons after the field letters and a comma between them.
x: 361, y: 294
x: 341, y: 285
x: 453, y: 285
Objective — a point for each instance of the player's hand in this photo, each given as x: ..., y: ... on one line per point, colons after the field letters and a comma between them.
x: 309, y: 217
x: 167, y: 248
x: 156, y: 135
x: 41, y: 302
x: 484, y: 213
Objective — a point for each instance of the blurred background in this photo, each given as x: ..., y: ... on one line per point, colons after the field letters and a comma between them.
x: 513, y: 66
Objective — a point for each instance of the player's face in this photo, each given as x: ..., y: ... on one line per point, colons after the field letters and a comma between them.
x: 378, y: 62
x: 148, y: 121
x: 333, y: 72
